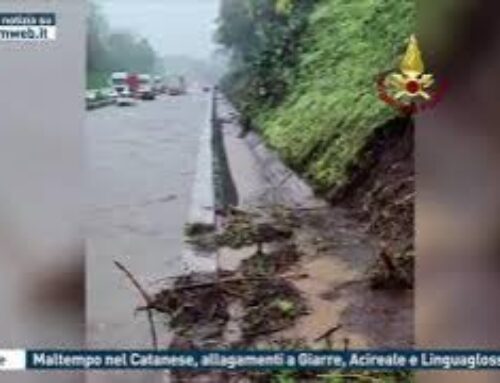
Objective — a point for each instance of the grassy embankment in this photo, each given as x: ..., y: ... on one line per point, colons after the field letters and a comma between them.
x: 331, y: 106
x: 97, y: 80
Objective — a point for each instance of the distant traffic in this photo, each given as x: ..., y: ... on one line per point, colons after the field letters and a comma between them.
x: 125, y: 89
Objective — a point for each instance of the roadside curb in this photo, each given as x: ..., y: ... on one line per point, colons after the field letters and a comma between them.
x: 278, y: 183
x: 202, y: 205
x: 292, y: 188
x: 259, y: 175
x: 98, y: 104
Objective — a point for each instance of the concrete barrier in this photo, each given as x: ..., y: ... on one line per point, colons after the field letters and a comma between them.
x: 293, y: 190
x: 91, y: 105
x: 202, y: 206
x: 266, y: 178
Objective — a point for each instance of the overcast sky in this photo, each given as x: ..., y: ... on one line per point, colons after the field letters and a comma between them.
x: 174, y: 27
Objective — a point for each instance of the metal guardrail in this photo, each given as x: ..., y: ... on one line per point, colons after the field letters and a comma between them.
x: 95, y: 104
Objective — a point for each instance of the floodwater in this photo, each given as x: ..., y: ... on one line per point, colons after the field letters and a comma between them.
x: 142, y: 165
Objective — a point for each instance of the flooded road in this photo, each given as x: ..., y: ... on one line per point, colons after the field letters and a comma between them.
x: 142, y: 165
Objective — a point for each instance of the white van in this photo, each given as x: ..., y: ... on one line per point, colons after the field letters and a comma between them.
x: 146, y: 90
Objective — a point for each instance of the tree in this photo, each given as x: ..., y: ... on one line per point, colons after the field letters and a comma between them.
x: 112, y: 51
x: 262, y: 37
x: 97, y: 31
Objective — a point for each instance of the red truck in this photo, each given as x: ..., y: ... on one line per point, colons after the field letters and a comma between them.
x: 133, y: 83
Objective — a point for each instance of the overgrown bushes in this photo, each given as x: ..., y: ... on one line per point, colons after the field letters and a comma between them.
x: 323, y: 103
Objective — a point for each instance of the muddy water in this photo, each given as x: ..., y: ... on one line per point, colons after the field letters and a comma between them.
x: 338, y: 292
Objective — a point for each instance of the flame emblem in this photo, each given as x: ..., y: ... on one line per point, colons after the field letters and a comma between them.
x: 412, y: 82
x: 410, y: 89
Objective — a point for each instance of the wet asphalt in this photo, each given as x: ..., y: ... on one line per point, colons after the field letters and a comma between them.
x: 141, y: 163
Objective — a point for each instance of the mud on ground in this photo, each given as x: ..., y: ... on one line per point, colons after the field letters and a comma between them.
x: 305, y: 282
x: 381, y: 194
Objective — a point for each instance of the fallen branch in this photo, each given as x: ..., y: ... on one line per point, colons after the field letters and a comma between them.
x: 267, y: 331
x: 134, y: 281
x: 328, y: 333
x: 236, y: 280
x: 146, y: 297
x: 388, y: 261
x: 392, y: 268
x: 153, y: 306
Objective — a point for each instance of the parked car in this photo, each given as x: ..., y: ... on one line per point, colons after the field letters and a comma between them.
x: 125, y: 98
x: 110, y: 94
x: 101, y: 95
x: 90, y: 95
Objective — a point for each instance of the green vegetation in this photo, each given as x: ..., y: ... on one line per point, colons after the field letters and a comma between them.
x: 307, y: 79
x: 97, y: 80
x: 115, y: 51
x: 263, y: 39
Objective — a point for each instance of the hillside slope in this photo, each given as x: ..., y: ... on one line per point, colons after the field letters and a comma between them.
x: 305, y: 79
x: 332, y: 106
